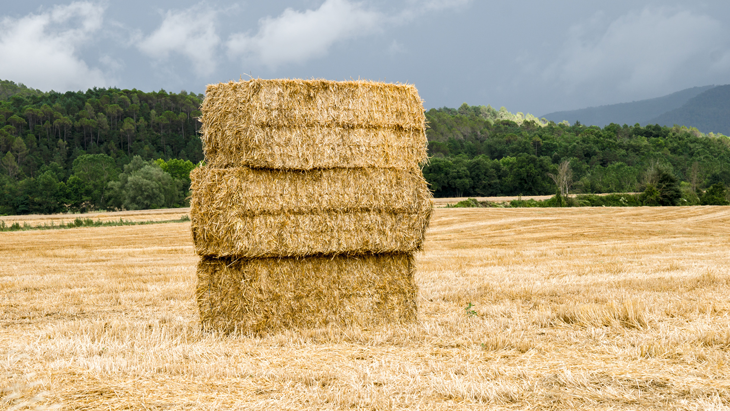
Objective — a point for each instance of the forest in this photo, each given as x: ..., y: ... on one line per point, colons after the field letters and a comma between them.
x: 474, y: 152
x: 108, y: 149
x: 95, y: 150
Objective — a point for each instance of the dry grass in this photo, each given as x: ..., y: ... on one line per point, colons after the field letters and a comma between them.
x: 139, y: 215
x: 590, y: 308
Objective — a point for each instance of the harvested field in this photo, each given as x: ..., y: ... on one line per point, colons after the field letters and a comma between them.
x: 589, y: 308
x: 138, y: 215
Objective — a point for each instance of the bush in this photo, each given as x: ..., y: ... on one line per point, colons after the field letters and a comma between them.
x: 469, y: 202
x: 527, y: 203
x: 144, y: 185
x: 611, y: 200
x: 689, y: 197
x: 715, y: 195
x: 650, y: 196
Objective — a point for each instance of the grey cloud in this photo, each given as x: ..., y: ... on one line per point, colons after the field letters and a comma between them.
x: 640, y: 52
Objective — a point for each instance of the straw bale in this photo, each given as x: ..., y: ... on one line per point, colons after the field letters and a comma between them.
x: 257, y: 191
x: 306, y: 148
x: 305, y: 103
x: 245, y: 212
x: 269, y: 294
x: 306, y: 124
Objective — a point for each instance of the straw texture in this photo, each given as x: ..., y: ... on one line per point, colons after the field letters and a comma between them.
x: 311, y: 204
x: 307, y: 124
x: 243, y: 190
x: 268, y: 294
x: 306, y: 148
x: 242, y: 212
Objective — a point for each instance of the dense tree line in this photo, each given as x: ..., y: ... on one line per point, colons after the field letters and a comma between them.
x: 474, y: 154
x: 80, y: 142
x: 128, y: 149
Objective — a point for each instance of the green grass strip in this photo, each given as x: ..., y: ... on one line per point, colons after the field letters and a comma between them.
x: 83, y: 222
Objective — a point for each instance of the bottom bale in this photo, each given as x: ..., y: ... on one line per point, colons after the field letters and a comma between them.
x: 268, y: 294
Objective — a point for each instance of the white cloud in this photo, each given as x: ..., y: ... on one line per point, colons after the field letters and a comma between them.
x: 190, y: 33
x: 41, y: 50
x: 294, y: 37
x: 640, y: 52
x: 435, y: 5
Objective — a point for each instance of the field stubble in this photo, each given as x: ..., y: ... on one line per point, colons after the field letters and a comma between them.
x: 599, y: 308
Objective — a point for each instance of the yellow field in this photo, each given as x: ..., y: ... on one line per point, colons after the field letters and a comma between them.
x: 590, y: 308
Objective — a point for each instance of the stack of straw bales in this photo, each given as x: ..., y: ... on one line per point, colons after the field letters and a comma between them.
x: 311, y: 204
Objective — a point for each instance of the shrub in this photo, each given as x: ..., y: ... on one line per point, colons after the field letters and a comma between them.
x: 715, y: 195
x: 469, y: 202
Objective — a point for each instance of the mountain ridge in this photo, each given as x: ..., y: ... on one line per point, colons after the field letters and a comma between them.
x: 708, y: 111
x: 642, y: 111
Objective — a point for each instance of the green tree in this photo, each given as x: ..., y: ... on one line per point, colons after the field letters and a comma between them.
x: 460, y: 179
x: 651, y: 196
x: 17, y: 122
x: 20, y: 150
x: 96, y: 171
x: 436, y: 173
x: 75, y: 194
x: 178, y: 169
x: 10, y: 165
x: 128, y: 129
x: 47, y: 198
x: 717, y: 194
x: 669, y: 190
x: 144, y: 185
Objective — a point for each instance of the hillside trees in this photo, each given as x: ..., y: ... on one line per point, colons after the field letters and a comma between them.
x: 613, y: 159
x: 474, y: 151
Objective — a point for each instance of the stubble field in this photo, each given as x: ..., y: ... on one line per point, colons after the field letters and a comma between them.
x: 590, y: 308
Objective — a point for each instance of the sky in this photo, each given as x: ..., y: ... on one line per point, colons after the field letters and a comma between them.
x: 530, y: 56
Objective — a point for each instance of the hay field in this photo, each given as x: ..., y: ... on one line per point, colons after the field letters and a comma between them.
x: 589, y: 308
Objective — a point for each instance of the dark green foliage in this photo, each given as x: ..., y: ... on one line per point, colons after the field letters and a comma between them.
x: 96, y: 171
x: 717, y: 194
x: 84, y: 139
x: 610, y: 200
x: 474, y: 154
x: 9, y: 89
x: 144, y: 185
x: 651, y: 196
x: 668, y: 187
x: 70, y: 152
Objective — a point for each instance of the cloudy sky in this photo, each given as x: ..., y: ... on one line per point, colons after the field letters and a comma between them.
x: 532, y: 56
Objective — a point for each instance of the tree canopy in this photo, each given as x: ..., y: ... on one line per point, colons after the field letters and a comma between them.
x: 112, y: 148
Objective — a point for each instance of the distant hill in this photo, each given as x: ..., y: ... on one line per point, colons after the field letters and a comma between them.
x: 9, y: 88
x: 642, y: 112
x: 708, y: 111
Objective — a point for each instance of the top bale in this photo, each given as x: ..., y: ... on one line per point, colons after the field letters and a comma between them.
x: 311, y: 103
x: 309, y: 124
